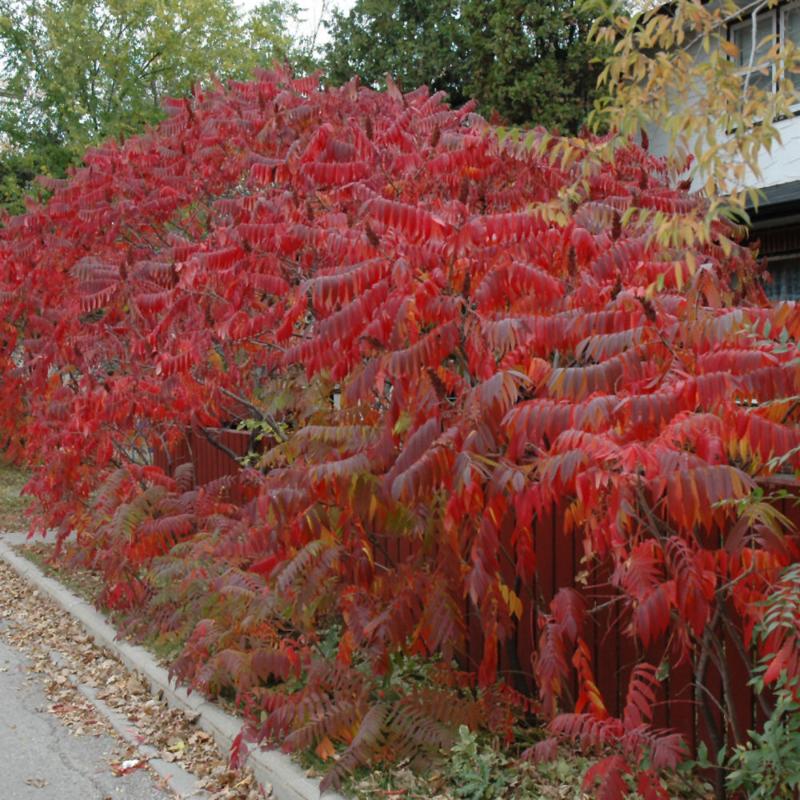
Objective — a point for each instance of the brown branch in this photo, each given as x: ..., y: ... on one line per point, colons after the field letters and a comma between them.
x: 727, y: 689
x: 218, y: 444
x: 733, y: 633
x: 165, y: 448
x: 262, y: 416
x: 701, y: 699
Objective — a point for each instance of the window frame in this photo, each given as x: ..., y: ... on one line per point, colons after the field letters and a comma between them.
x: 775, y: 16
x: 782, y: 264
x: 782, y: 11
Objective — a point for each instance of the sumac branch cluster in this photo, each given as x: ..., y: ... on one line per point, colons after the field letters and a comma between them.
x: 447, y: 338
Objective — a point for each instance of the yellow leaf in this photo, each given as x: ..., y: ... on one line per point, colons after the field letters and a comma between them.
x: 326, y: 535
x: 511, y: 600
x: 678, y: 275
x: 368, y: 553
x: 730, y: 48
x: 403, y: 423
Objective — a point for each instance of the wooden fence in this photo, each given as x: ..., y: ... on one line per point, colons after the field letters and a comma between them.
x: 559, y: 564
x: 210, y: 461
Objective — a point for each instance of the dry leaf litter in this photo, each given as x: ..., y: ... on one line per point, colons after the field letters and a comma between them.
x: 28, y: 625
x: 405, y: 784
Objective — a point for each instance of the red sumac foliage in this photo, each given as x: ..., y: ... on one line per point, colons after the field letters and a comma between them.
x: 447, y: 338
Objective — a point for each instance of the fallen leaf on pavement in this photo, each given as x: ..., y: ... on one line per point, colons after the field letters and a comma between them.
x: 128, y: 766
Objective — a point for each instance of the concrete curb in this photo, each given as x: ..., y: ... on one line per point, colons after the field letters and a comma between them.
x: 272, y: 768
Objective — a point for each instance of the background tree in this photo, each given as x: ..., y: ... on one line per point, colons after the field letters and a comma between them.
x: 75, y: 72
x: 529, y: 61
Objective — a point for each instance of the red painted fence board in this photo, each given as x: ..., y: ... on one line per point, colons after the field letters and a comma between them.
x: 210, y: 462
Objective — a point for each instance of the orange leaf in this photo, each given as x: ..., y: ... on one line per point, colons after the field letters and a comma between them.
x: 325, y: 749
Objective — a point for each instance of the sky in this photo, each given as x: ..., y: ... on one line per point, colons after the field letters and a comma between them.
x: 311, y: 10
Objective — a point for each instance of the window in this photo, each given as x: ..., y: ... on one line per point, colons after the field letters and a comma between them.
x: 754, y: 39
x: 785, y: 275
x: 790, y: 26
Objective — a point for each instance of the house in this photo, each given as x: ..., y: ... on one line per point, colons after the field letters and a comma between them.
x: 776, y: 221
x: 776, y: 226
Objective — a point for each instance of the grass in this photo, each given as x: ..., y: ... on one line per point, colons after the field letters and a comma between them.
x: 12, y: 518
x: 12, y: 505
x: 85, y: 584
x: 88, y: 584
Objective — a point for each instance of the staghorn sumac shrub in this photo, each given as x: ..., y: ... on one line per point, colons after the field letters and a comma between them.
x: 447, y: 335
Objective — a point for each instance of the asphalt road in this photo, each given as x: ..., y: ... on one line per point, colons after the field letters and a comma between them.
x: 43, y: 760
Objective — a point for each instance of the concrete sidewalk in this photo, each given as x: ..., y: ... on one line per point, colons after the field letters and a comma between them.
x: 278, y: 775
x: 43, y: 759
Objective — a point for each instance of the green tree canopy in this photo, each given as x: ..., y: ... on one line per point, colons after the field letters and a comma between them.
x: 73, y: 72
x: 528, y: 60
